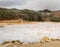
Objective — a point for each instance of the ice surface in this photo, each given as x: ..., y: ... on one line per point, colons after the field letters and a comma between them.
x: 29, y: 32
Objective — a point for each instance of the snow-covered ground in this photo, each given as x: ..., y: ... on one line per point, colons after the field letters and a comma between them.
x: 29, y: 32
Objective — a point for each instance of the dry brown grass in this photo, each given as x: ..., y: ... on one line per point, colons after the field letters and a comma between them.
x: 4, y: 22
x: 16, y: 22
x: 55, y: 43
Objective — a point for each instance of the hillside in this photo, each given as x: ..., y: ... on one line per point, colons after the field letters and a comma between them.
x: 29, y: 15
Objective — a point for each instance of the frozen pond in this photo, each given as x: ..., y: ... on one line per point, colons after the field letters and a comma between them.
x: 29, y: 32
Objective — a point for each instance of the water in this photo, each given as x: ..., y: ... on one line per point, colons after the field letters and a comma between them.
x: 29, y: 32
